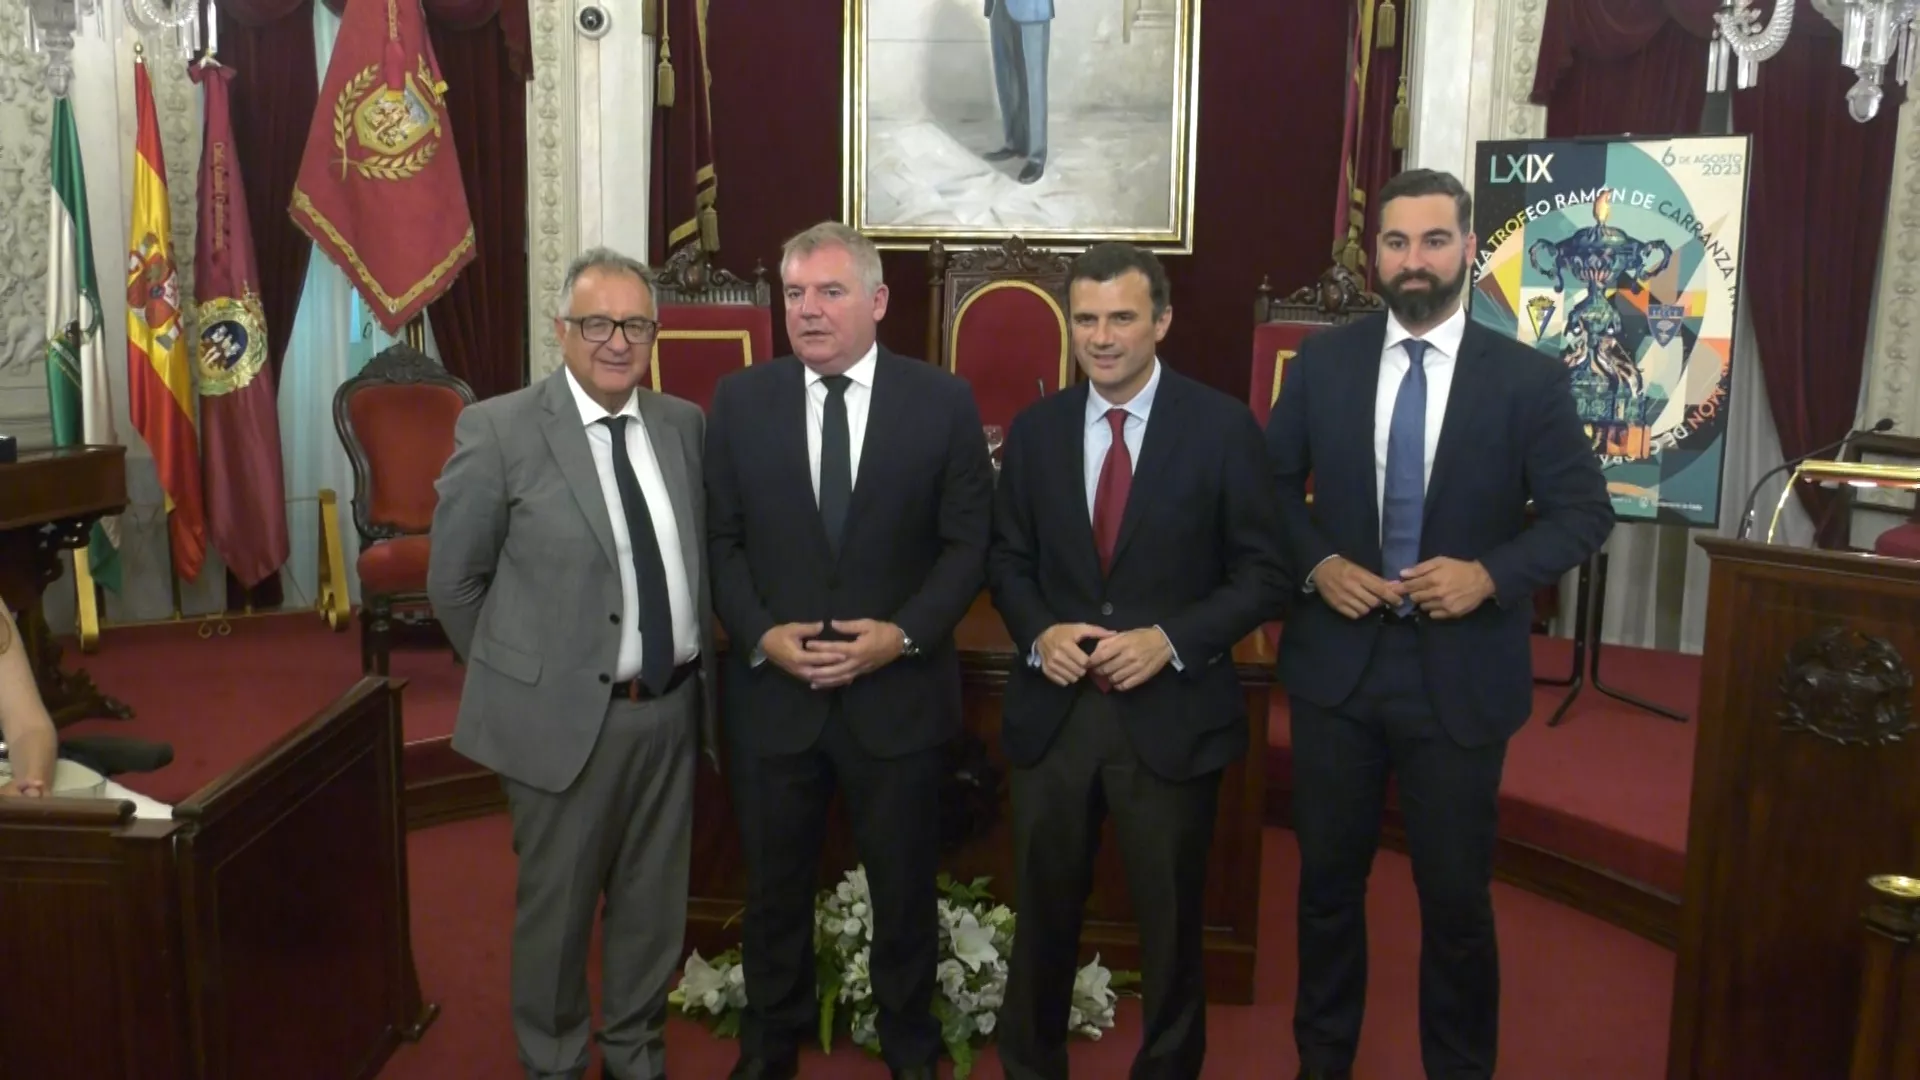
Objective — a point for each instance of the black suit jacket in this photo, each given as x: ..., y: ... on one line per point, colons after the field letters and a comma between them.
x: 1198, y: 556
x: 912, y: 552
x: 1510, y: 434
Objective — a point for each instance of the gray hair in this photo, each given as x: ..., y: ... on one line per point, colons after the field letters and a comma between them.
x: 605, y: 260
x: 866, y: 257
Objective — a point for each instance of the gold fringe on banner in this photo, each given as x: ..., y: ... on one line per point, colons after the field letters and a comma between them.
x: 1383, y: 31
x: 1402, y: 120
x: 663, y: 72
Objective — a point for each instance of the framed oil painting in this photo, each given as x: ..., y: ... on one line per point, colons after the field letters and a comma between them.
x: 1065, y: 122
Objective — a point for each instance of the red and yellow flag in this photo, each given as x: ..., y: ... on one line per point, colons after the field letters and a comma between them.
x: 159, y: 371
x: 379, y: 188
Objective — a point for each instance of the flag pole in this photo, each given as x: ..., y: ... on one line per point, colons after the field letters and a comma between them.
x: 86, y: 600
x: 173, y: 572
x: 416, y: 332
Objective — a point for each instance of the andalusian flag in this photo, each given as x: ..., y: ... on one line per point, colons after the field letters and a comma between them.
x: 76, y: 352
x: 159, y: 371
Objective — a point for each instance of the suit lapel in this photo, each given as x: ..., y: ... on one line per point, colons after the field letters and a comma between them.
x: 567, y: 440
x: 887, y: 416
x: 1361, y: 400
x: 1067, y: 464
x: 665, y: 438
x: 1465, y: 394
x: 1158, y: 444
x: 787, y: 431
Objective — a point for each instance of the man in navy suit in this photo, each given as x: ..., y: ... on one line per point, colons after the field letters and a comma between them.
x: 1136, y: 540
x: 1020, y: 30
x: 849, y: 499
x: 1425, y: 437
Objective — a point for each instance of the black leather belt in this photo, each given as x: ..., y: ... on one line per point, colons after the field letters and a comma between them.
x: 635, y: 690
x: 1390, y: 617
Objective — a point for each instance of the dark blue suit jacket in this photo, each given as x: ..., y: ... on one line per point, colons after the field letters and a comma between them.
x: 1198, y: 555
x: 1510, y: 435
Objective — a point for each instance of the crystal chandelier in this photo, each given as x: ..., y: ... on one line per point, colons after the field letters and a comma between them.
x: 1872, y: 31
x: 51, y: 25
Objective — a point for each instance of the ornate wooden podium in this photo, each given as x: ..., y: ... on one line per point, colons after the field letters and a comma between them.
x: 1806, y: 783
x: 49, y: 500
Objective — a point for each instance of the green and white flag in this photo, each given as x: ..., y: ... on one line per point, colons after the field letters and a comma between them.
x: 76, y: 351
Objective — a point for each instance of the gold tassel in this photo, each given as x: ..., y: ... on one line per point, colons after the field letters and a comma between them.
x: 1402, y: 121
x: 1384, y: 19
x: 663, y: 72
x: 709, y: 229
x: 663, y: 78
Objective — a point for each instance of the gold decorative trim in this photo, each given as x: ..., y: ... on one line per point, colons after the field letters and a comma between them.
x: 744, y: 337
x: 305, y: 205
x: 1280, y: 359
x: 86, y: 600
x: 953, y: 339
x: 330, y: 571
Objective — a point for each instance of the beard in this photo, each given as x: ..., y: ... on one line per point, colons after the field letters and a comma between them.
x: 1420, y: 305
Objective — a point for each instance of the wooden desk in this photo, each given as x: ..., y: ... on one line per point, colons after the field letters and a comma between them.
x: 1232, y: 907
x: 49, y: 500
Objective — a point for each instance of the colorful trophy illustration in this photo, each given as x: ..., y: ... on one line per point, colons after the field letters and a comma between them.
x: 1608, y: 385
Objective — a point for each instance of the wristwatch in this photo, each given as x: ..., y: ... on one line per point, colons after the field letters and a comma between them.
x: 907, y: 647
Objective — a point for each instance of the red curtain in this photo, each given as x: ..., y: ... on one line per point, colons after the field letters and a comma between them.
x: 480, y: 323
x: 1271, y: 87
x: 1816, y: 211
x: 1609, y: 67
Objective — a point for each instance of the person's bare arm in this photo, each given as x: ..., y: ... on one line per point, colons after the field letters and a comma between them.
x: 24, y: 723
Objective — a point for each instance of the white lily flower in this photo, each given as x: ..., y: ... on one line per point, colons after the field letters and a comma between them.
x: 973, y: 943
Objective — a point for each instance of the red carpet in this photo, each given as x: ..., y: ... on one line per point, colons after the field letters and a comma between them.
x: 1583, y: 1000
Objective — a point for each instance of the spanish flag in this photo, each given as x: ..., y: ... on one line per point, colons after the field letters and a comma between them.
x: 159, y: 372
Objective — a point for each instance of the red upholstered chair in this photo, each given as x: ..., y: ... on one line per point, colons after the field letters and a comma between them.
x: 998, y: 320
x: 712, y: 323
x: 1280, y: 326
x: 395, y: 419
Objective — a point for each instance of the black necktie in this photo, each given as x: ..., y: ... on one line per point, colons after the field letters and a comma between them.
x: 649, y: 569
x: 836, y: 460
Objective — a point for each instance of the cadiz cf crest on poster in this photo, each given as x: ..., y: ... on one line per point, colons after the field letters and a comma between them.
x: 1622, y: 258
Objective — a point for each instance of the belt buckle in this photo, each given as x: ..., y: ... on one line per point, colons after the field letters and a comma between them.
x: 631, y: 689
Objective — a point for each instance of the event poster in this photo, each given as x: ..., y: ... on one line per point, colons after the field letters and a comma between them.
x: 1622, y: 258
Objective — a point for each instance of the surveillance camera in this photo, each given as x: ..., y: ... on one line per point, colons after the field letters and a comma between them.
x: 594, y: 21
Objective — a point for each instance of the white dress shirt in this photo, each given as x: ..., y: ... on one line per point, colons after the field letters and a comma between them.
x: 859, y: 402
x: 666, y: 530
x: 1099, y: 433
x: 1443, y: 348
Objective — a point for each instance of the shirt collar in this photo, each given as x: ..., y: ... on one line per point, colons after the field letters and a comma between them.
x: 861, y: 372
x: 591, y: 411
x: 1443, y: 339
x: 1140, y: 406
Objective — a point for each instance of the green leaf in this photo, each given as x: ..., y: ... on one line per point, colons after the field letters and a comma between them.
x: 962, y: 1055
x: 829, y: 994
x: 728, y: 1026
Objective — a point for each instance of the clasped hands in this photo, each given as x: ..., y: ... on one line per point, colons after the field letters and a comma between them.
x: 1124, y: 658
x: 1441, y: 588
x: 824, y: 664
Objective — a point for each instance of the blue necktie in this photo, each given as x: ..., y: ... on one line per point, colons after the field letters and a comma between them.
x: 1404, y: 502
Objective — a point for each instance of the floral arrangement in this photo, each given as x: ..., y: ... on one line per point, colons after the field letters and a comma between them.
x: 976, y: 940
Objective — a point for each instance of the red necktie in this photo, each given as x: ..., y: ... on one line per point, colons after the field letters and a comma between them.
x: 1110, y: 496
x: 1110, y: 505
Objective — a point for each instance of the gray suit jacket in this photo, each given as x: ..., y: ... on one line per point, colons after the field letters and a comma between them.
x: 523, y: 579
x: 1024, y: 11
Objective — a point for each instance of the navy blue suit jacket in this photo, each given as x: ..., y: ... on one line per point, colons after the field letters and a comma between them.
x: 1198, y: 555
x: 1510, y: 435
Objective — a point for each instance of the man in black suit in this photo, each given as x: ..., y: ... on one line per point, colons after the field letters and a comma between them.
x: 850, y: 502
x: 1425, y: 436
x: 1127, y: 589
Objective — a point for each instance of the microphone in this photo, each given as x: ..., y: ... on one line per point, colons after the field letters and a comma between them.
x: 1746, y: 517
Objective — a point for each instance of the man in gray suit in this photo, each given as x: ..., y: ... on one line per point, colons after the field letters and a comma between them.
x: 1020, y: 30
x: 567, y: 569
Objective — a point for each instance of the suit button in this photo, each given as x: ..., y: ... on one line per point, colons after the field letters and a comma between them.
x: 606, y: 678
x: 615, y: 617
x: 1106, y: 609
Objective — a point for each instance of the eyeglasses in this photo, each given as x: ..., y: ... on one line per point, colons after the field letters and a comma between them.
x: 599, y: 329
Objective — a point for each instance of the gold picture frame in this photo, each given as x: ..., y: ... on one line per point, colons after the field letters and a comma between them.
x: 926, y: 138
